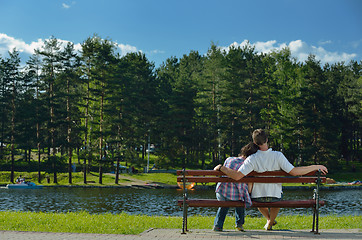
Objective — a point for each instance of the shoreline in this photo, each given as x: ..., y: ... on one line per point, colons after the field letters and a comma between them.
x: 197, y: 187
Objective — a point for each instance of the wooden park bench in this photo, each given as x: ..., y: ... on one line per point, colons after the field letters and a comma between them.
x: 211, y: 176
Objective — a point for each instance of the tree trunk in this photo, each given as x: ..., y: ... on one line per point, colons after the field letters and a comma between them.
x: 69, y: 137
x: 12, y: 134
x: 101, y: 142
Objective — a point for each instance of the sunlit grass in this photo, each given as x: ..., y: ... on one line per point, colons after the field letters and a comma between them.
x: 83, y: 222
x: 63, y: 178
x: 284, y: 222
x: 166, y: 178
x: 109, y: 179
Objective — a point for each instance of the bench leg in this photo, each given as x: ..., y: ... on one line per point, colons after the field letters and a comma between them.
x: 317, y: 203
x: 184, y: 220
x: 317, y: 221
x: 316, y: 208
x: 314, y: 216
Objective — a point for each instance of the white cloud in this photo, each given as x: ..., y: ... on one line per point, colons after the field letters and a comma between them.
x: 8, y: 43
x: 78, y: 47
x: 156, y: 51
x: 357, y: 43
x: 66, y: 6
x: 125, y: 48
x: 325, y: 42
x: 299, y: 49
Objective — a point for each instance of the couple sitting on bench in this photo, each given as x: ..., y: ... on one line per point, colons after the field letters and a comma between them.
x: 258, y: 157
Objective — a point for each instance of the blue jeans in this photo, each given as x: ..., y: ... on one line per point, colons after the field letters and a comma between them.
x: 222, y: 212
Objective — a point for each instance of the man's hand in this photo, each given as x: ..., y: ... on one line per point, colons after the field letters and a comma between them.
x: 323, y: 169
x: 229, y: 172
x: 298, y: 171
x: 217, y: 168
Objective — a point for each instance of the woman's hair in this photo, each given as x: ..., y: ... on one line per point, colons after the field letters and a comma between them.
x: 260, y: 137
x: 249, y: 149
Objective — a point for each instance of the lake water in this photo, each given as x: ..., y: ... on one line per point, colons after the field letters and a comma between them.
x: 154, y: 201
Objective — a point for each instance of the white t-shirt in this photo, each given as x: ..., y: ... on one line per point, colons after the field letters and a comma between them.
x: 263, y: 161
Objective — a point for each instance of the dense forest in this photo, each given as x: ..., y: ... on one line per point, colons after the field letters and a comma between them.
x: 97, y: 107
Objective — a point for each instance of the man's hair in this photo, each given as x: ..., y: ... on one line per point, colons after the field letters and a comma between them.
x: 249, y: 149
x: 260, y: 137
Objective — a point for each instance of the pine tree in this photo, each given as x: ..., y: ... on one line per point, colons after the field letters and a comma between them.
x: 50, y: 54
x: 241, y: 98
x: 14, y: 78
x: 283, y: 84
x: 314, y: 119
x: 209, y: 106
x: 68, y: 90
x: 166, y: 76
x: 33, y: 74
x: 99, y: 58
x: 4, y: 88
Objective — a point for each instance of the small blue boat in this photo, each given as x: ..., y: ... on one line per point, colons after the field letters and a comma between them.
x: 24, y: 185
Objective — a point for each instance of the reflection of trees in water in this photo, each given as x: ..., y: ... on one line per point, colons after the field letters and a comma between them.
x: 155, y: 201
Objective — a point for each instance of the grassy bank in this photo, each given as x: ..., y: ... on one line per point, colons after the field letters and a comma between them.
x: 92, y: 178
x: 126, y: 178
x: 83, y: 222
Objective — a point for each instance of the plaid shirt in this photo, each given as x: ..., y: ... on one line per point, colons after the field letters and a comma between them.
x: 234, y: 191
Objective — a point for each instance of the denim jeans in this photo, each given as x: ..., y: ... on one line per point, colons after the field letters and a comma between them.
x: 222, y: 212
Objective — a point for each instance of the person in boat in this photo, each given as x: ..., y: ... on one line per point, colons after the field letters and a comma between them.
x: 20, y: 180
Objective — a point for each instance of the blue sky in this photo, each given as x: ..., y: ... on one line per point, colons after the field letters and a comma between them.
x: 330, y: 29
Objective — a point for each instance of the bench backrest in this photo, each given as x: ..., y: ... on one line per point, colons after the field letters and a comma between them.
x: 207, y: 176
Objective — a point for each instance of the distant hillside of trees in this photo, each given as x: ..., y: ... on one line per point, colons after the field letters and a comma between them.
x: 196, y: 110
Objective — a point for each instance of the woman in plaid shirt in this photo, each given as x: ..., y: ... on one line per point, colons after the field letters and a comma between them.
x: 234, y: 191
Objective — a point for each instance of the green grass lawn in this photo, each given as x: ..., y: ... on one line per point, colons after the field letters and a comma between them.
x: 93, y: 177
x: 163, y: 178
x: 63, y: 178
x: 83, y: 222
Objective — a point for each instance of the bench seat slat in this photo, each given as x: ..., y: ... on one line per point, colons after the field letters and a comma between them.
x: 283, y: 203
x: 252, y: 179
x: 218, y: 173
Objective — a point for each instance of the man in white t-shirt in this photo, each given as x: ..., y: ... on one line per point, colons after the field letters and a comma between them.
x: 265, y: 159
